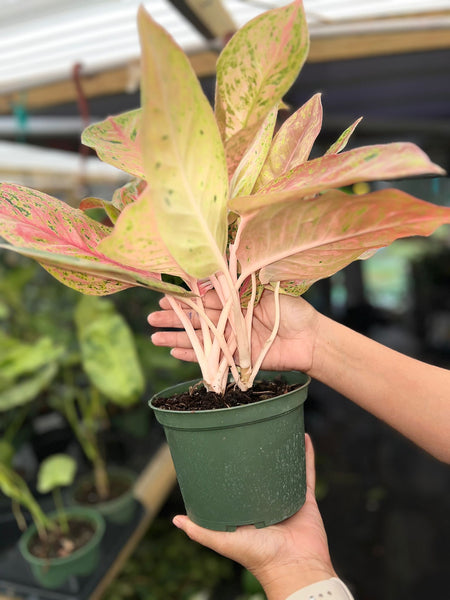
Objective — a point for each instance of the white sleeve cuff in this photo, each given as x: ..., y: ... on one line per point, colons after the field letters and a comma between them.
x: 328, y: 589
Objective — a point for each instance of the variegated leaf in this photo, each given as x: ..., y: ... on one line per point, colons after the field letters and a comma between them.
x: 310, y: 240
x: 184, y: 159
x: 96, y: 277
x: 258, y: 66
x: 117, y: 141
x: 96, y: 203
x: 342, y: 140
x: 246, y: 174
x: 236, y: 146
x: 293, y: 143
x: 32, y: 219
x: 136, y: 242
x: 64, y: 240
x: 369, y: 163
x: 128, y: 193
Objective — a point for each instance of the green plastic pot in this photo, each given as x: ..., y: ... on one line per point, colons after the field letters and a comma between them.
x: 243, y: 465
x: 54, y: 572
x: 119, y: 510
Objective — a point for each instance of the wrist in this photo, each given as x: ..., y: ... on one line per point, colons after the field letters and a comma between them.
x: 279, y: 582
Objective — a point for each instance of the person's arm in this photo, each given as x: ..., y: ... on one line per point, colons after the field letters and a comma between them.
x: 410, y: 395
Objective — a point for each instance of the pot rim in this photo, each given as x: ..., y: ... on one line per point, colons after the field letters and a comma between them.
x: 215, y: 411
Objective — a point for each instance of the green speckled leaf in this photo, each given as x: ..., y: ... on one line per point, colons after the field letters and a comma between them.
x: 117, y: 141
x: 309, y: 240
x: 128, y: 193
x: 64, y: 241
x: 95, y: 203
x: 293, y: 142
x: 246, y: 174
x: 97, y: 277
x: 184, y: 159
x: 342, y: 140
x: 258, y: 66
x: 136, y: 242
x: 369, y: 163
x: 108, y: 351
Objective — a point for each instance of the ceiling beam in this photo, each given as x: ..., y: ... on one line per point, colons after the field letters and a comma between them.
x: 339, y: 47
x: 323, y: 49
x: 114, y: 81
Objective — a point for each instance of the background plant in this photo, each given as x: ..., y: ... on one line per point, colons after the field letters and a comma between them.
x: 56, y: 471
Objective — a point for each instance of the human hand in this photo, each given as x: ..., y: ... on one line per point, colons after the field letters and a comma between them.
x: 284, y: 557
x: 292, y: 348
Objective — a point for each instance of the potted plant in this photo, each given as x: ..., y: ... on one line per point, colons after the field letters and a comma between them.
x: 61, y: 544
x: 114, y: 375
x: 110, y: 374
x: 218, y: 201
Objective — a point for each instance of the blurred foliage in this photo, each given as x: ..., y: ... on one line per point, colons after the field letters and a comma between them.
x: 168, y: 565
x: 88, y: 358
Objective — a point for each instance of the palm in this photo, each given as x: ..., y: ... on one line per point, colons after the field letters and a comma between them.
x: 296, y: 324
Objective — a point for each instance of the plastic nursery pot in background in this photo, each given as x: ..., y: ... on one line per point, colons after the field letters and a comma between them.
x: 119, y: 509
x: 242, y: 465
x: 53, y: 572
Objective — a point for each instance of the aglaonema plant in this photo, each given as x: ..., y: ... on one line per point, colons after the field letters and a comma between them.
x: 219, y: 200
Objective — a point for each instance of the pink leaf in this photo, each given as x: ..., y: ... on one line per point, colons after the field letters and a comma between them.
x: 96, y: 203
x: 117, y: 141
x: 64, y: 240
x: 309, y: 240
x: 368, y: 163
x: 183, y: 155
x: 245, y: 176
x: 236, y: 146
x: 293, y: 143
x: 258, y: 66
x: 128, y: 193
x: 342, y: 140
x: 136, y: 242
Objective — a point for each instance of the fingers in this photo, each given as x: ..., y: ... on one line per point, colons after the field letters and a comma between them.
x: 310, y: 465
x: 171, y: 339
x: 218, y: 541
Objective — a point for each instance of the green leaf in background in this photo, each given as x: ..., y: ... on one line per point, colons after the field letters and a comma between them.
x: 18, y: 358
x: 55, y: 471
x: 6, y: 453
x: 26, y: 391
x: 108, y: 351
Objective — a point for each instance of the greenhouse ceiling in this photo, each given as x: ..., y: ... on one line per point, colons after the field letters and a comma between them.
x: 45, y: 44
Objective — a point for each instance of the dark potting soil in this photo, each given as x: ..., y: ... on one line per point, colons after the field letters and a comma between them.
x: 198, y: 398
x: 59, y: 544
x: 87, y: 492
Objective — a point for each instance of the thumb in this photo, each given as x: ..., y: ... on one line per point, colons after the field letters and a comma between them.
x: 216, y: 540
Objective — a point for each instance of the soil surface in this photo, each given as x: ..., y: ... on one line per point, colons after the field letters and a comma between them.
x: 87, y: 492
x: 59, y: 544
x: 198, y: 398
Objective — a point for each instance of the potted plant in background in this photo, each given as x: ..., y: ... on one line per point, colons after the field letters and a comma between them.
x: 61, y: 544
x: 110, y: 374
x: 219, y: 202
x: 109, y: 359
